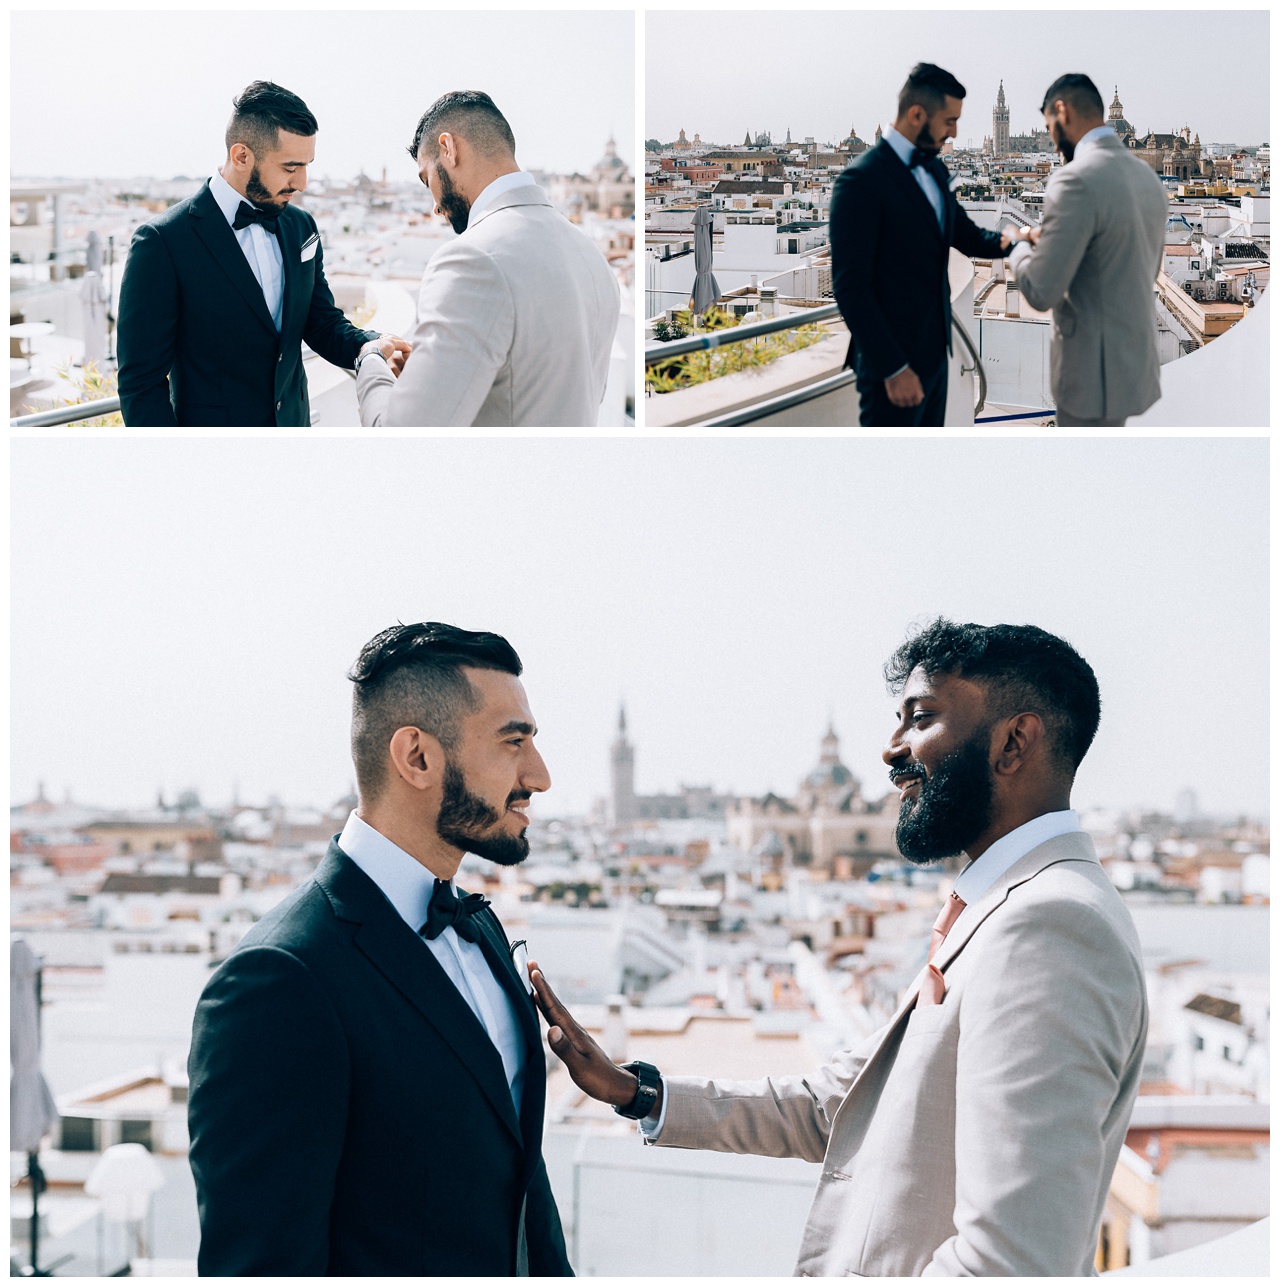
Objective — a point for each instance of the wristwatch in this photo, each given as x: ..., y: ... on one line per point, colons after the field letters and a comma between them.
x: 650, y: 1080
x: 369, y: 350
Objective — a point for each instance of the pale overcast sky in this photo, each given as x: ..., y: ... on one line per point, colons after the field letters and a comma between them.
x: 184, y: 610
x: 822, y: 72
x: 119, y: 94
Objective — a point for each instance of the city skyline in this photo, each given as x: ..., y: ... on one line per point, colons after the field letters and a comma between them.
x: 367, y: 88
x: 736, y: 594
x: 1027, y: 58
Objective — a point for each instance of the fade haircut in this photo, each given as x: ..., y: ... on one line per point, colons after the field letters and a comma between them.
x: 411, y: 676
x: 261, y: 112
x: 1023, y: 668
x: 930, y: 86
x: 1077, y: 90
x: 469, y: 113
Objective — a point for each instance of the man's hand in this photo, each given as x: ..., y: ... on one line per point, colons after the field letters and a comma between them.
x: 1006, y: 241
x: 588, y: 1065
x: 905, y: 389
x: 1033, y: 235
x: 396, y: 351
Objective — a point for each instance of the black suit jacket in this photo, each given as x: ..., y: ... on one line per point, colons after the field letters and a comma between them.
x: 889, y: 264
x: 197, y: 343
x: 349, y: 1115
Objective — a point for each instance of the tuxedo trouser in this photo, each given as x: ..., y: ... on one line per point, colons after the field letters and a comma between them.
x: 878, y: 411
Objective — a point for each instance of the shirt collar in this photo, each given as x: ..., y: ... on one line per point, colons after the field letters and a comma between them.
x: 226, y: 196
x: 983, y: 872
x: 1098, y: 132
x: 902, y: 146
x: 503, y: 183
x: 405, y: 883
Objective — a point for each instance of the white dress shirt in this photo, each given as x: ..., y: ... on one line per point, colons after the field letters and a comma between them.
x: 407, y: 885
x: 984, y: 871
x: 971, y: 884
x: 503, y: 183
x: 261, y: 248
x: 904, y: 148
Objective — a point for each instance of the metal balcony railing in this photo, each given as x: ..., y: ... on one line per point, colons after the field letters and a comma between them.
x: 67, y: 415
x: 701, y: 343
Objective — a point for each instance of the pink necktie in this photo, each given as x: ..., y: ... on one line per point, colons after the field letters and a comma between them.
x: 933, y: 987
x: 947, y: 917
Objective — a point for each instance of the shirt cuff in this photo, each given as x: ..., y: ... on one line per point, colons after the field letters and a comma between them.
x: 898, y: 372
x: 651, y: 1127
x: 1018, y: 254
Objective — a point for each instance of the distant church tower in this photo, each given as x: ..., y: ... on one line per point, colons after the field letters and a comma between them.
x: 623, y: 763
x: 1000, y: 125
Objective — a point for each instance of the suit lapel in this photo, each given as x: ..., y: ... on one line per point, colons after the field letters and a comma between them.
x: 905, y: 181
x: 215, y: 232
x: 533, y: 1101
x: 942, y: 177
x: 410, y: 967
x: 1073, y: 847
x: 290, y: 250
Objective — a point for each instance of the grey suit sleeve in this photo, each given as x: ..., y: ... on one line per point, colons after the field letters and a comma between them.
x: 1045, y: 273
x: 772, y: 1117
x: 462, y: 339
x: 269, y: 1079
x: 1046, y: 1042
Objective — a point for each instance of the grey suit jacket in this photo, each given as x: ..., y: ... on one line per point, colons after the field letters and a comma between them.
x: 977, y: 1136
x: 516, y: 321
x: 1101, y: 246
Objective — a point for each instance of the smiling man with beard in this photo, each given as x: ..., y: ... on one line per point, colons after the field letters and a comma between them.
x: 221, y: 290
x: 367, y: 1081
x: 977, y: 1132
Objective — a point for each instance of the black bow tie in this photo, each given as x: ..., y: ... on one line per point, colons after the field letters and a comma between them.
x: 448, y: 909
x: 922, y: 158
x: 247, y: 214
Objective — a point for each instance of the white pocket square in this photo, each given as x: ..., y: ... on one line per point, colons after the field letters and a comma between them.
x: 309, y: 247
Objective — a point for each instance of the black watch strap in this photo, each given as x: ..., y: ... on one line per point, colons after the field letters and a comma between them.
x: 650, y: 1080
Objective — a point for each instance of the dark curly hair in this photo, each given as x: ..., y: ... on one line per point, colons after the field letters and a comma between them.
x: 1023, y: 668
x: 412, y: 675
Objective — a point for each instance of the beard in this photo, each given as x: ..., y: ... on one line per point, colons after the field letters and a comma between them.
x: 457, y: 209
x: 953, y: 806
x: 1061, y: 142
x: 258, y: 193
x: 468, y: 822
x: 926, y: 142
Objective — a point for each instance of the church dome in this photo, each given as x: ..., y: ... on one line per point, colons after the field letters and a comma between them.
x: 829, y: 775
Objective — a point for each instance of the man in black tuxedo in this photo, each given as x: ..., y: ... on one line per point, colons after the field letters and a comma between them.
x: 367, y: 1079
x: 221, y: 289
x: 893, y: 222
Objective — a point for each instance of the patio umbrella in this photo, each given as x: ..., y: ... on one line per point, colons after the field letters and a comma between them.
x: 31, y: 1108
x: 705, y: 289
x: 95, y: 300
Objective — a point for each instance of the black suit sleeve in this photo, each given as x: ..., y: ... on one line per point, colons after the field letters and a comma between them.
x: 270, y: 1074
x: 327, y: 330
x: 971, y: 240
x: 855, y: 250
x: 148, y: 331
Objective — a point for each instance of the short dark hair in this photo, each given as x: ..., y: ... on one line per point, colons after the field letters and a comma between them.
x: 930, y: 86
x: 1023, y: 668
x: 261, y: 112
x: 469, y: 113
x: 412, y: 676
x: 1079, y: 91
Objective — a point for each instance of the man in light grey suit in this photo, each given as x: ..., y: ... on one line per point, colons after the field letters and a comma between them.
x: 976, y: 1133
x: 1094, y: 263
x: 517, y: 317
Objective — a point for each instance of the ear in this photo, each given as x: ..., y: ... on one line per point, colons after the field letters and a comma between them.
x: 240, y: 156
x: 417, y: 757
x: 448, y: 149
x: 1015, y: 741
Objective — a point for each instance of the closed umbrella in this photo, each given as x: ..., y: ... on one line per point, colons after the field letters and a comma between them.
x: 31, y: 1108
x: 705, y: 289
